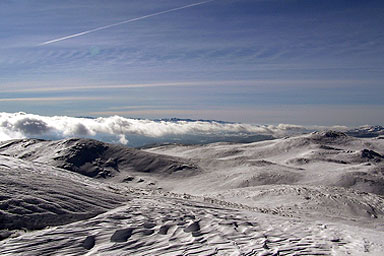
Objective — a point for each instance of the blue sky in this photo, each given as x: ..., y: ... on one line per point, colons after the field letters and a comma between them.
x: 268, y: 61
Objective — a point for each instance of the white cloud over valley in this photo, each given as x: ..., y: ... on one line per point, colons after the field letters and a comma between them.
x: 121, y: 129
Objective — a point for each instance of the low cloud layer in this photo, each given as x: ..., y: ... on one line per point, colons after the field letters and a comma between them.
x: 135, y: 132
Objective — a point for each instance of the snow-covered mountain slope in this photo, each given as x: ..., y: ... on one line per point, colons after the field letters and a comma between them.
x: 366, y: 131
x: 323, y: 175
x: 324, y: 158
x: 96, y: 159
x: 303, y: 195
x: 34, y: 196
x: 312, y: 202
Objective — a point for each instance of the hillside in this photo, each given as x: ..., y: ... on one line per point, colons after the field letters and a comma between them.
x: 314, y: 194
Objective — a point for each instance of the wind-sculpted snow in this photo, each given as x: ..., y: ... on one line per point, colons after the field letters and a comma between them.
x: 321, y: 158
x: 314, y: 202
x: 34, y: 196
x: 151, y: 225
x: 314, y: 194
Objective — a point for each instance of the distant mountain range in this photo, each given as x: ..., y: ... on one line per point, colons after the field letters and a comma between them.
x: 366, y: 131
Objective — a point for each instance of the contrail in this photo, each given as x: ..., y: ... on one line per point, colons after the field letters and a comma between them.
x: 121, y: 22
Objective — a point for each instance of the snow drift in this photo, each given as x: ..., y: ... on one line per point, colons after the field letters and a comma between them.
x: 313, y: 194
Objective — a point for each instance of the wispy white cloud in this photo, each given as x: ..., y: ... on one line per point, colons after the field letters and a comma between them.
x: 21, y: 125
x: 261, y: 84
x: 54, y: 99
x: 97, y: 87
x: 121, y: 23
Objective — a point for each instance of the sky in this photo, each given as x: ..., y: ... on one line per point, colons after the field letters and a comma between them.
x: 304, y: 62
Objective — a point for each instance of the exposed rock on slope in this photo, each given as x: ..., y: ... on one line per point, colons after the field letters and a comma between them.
x: 367, y: 131
x: 94, y: 158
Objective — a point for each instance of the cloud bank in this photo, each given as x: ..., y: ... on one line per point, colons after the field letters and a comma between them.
x: 136, y: 132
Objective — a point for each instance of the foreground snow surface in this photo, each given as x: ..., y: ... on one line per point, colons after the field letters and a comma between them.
x: 305, y: 195
x: 150, y: 225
